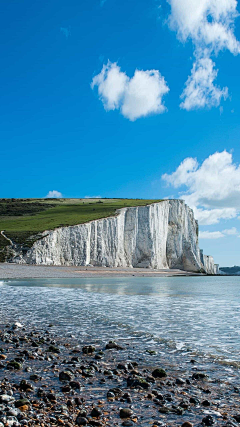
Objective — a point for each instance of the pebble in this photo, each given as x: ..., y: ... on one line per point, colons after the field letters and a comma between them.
x: 75, y: 388
x: 208, y: 420
x: 96, y: 413
x: 81, y: 421
x: 66, y: 376
x: 125, y: 413
x: 159, y: 373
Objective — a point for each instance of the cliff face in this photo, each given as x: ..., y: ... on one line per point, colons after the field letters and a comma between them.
x: 208, y: 264
x: 161, y: 235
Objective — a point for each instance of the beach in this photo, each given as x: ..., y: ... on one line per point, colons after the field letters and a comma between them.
x: 13, y: 271
x: 49, y: 380
x: 119, y: 351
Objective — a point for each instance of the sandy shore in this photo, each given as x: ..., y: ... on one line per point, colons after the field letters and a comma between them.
x: 16, y: 271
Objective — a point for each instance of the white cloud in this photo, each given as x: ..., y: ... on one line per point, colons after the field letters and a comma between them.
x: 200, y: 91
x: 213, y: 216
x: 111, y: 83
x: 210, y: 235
x: 218, y: 234
x: 212, y: 188
x: 209, y: 24
x: 54, y: 194
x: 135, y: 97
x: 206, y: 22
x: 231, y: 231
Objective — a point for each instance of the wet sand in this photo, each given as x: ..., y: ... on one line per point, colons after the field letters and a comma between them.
x: 18, y: 271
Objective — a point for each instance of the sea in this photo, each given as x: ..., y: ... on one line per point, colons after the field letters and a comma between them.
x: 176, y: 319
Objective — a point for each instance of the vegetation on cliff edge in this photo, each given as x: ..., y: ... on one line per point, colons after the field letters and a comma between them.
x: 23, y: 219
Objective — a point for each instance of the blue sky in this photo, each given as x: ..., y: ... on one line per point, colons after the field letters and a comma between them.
x: 59, y: 133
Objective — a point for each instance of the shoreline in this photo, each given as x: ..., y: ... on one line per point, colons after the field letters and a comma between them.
x: 50, y: 379
x: 27, y: 271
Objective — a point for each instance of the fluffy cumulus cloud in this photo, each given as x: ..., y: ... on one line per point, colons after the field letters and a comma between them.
x: 135, y: 97
x: 54, y: 194
x: 209, y: 24
x: 200, y: 90
x: 206, y: 22
x: 212, y: 188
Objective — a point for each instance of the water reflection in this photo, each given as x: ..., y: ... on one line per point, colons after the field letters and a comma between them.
x: 201, y: 313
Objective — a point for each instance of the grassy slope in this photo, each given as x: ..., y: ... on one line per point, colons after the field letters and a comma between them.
x: 56, y: 213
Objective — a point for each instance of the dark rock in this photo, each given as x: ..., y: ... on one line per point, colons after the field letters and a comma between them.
x: 206, y: 403
x: 75, y: 385
x: 96, y: 413
x: 125, y: 413
x: 113, y: 345
x: 159, y: 373
x: 180, y: 381
x: 237, y: 418
x: 88, y: 349
x: 184, y: 405
x: 117, y: 392
x: 13, y: 364
x: 25, y: 386
x: 66, y: 389
x: 199, y: 376
x: 88, y: 372
x: 35, y: 377
x: 53, y: 349
x: 66, y: 376
x: 193, y: 400
x: 208, y: 420
x: 122, y: 367
x: 177, y: 410
x: 150, y: 379
x: 135, y: 381
x: 81, y: 421
x: 51, y: 397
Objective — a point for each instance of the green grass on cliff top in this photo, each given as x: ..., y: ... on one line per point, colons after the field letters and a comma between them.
x: 20, y: 218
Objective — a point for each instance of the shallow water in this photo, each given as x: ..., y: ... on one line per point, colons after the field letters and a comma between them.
x: 200, y: 315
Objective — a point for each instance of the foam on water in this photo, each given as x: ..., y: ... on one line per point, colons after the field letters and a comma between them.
x: 181, y: 314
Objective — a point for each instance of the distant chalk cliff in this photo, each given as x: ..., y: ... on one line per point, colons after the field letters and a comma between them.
x: 160, y: 235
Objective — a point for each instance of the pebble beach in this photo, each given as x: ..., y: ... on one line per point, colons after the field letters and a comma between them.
x: 49, y: 380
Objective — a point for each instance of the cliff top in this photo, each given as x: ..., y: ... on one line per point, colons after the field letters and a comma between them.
x: 20, y: 219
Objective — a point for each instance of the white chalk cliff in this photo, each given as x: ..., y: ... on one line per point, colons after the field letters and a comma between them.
x: 160, y: 235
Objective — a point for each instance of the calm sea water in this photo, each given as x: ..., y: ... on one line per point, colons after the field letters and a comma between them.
x: 200, y: 315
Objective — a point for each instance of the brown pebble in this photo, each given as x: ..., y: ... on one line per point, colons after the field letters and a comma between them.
x: 187, y: 424
x: 2, y: 357
x: 24, y: 408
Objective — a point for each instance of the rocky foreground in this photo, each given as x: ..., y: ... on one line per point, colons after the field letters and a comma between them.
x: 47, y: 380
